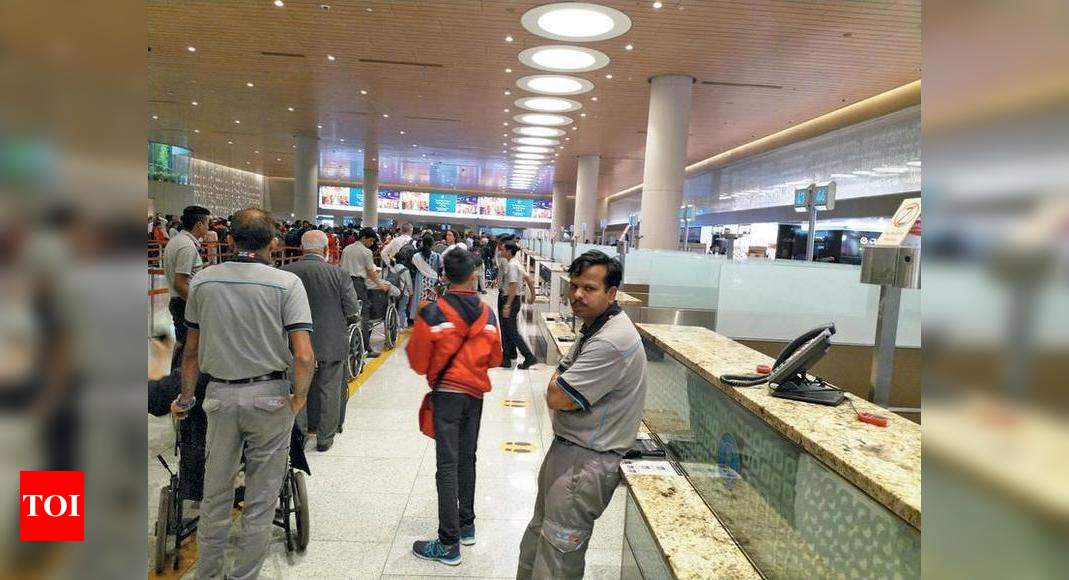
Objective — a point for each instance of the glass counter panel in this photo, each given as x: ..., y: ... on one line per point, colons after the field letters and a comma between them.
x: 788, y: 512
x: 642, y: 556
x: 685, y: 280
x: 607, y: 250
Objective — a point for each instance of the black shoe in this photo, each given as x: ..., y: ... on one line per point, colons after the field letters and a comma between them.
x: 321, y: 447
x: 339, y: 429
x: 372, y: 354
x: 505, y: 364
x: 527, y: 363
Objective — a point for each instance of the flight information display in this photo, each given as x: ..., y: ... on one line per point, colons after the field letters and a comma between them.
x: 438, y: 204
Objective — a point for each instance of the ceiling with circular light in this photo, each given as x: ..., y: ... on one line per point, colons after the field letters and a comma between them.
x: 565, y: 59
x: 562, y: 85
x: 575, y: 21
x: 546, y: 119
x: 529, y: 156
x: 539, y: 131
x: 526, y: 162
x: 532, y: 149
x: 540, y: 141
x: 548, y: 104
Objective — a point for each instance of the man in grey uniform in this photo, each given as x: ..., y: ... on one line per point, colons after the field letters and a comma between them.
x: 181, y: 261
x: 597, y: 396
x: 334, y: 305
x: 358, y: 261
x: 248, y: 323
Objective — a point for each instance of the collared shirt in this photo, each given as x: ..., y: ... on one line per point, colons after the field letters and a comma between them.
x: 513, y: 274
x: 181, y: 256
x: 395, y: 245
x: 245, y: 310
x: 605, y: 374
x: 357, y: 260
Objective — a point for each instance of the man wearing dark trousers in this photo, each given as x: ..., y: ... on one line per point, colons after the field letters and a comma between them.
x: 181, y: 261
x: 358, y: 261
x: 512, y: 282
x: 334, y: 304
x: 454, y: 341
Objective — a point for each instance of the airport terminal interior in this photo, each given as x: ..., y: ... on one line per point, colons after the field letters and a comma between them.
x: 752, y: 168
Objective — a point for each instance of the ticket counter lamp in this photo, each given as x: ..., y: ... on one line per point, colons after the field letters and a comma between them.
x: 892, y: 263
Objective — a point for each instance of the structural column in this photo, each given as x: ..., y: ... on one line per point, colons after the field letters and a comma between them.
x: 306, y: 177
x: 586, y: 198
x: 371, y: 189
x: 665, y: 163
x: 560, y: 207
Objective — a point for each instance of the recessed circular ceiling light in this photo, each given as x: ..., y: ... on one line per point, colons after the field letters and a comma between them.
x: 561, y: 58
x: 543, y: 119
x: 555, y: 85
x: 529, y: 156
x: 538, y: 131
x: 535, y: 141
x: 250, y: 85
x: 532, y: 149
x: 191, y: 48
x: 549, y: 104
x: 576, y: 21
x: 524, y: 170
x: 526, y: 162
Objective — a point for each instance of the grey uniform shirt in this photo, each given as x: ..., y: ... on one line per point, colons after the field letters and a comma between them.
x: 181, y: 256
x: 357, y: 260
x: 605, y: 374
x: 245, y: 311
x: 513, y: 274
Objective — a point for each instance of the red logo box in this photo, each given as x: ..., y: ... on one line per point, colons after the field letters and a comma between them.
x: 51, y: 506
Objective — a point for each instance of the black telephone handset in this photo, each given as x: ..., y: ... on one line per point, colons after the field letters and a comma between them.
x: 788, y: 376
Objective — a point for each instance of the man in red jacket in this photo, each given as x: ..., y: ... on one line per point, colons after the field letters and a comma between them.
x: 454, y: 341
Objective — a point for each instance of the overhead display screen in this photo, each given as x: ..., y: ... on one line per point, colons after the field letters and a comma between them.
x: 438, y: 204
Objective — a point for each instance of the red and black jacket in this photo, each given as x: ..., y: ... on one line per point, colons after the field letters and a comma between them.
x: 441, y: 327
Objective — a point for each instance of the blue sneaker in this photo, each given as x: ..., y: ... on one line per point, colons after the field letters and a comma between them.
x: 435, y: 550
x: 467, y: 535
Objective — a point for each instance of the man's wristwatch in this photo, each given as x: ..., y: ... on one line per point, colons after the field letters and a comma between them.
x: 185, y: 406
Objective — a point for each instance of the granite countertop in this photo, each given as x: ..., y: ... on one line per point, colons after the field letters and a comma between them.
x: 885, y: 463
x: 625, y: 299
x: 692, y: 540
x: 558, y: 330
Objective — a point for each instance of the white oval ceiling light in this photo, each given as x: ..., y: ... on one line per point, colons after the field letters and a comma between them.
x: 528, y: 156
x: 540, y: 141
x: 549, y: 104
x: 561, y: 58
x: 543, y: 119
x: 532, y: 149
x: 525, y: 162
x: 539, y: 131
x: 575, y: 21
x: 555, y: 85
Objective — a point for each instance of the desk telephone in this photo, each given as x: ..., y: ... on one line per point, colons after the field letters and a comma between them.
x: 788, y: 378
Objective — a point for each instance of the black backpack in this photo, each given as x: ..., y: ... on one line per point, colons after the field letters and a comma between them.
x: 404, y: 257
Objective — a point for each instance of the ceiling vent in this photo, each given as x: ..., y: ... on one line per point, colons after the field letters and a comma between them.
x: 401, y: 63
x: 439, y: 119
x: 282, y: 54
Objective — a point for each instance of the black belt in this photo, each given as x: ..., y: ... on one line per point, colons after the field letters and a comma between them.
x: 268, y: 377
x: 574, y: 444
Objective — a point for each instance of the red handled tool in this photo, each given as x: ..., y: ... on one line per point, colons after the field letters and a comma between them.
x: 870, y: 418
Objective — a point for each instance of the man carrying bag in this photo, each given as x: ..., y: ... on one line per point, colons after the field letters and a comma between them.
x: 454, y: 341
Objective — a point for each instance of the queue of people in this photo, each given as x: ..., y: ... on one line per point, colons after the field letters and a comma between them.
x: 259, y: 349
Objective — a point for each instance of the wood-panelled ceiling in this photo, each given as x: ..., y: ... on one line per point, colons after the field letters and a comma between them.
x: 441, y: 77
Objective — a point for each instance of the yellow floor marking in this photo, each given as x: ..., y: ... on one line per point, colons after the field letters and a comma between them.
x: 514, y: 403
x: 373, y: 364
x: 517, y: 447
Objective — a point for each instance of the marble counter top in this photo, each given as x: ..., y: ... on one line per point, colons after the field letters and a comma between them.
x: 560, y: 333
x: 885, y: 463
x: 693, y: 542
x: 625, y: 299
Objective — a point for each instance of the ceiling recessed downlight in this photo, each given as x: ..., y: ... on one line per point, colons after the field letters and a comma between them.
x: 538, y: 131
x: 549, y: 104
x: 540, y: 141
x: 532, y: 149
x: 543, y: 119
x: 561, y: 58
x: 555, y: 84
x: 576, y: 21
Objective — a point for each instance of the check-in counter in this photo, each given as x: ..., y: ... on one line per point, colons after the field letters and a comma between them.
x: 803, y: 490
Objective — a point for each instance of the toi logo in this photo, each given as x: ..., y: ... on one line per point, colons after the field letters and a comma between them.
x: 51, y: 506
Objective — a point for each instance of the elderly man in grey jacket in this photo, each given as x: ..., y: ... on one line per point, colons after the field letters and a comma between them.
x: 333, y: 303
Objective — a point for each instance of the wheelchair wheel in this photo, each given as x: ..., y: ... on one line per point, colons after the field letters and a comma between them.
x: 163, y: 525
x: 354, y: 362
x: 300, y: 510
x: 390, y: 326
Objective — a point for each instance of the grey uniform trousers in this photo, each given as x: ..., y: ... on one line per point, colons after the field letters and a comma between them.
x: 323, y: 412
x: 259, y: 417
x: 575, y: 486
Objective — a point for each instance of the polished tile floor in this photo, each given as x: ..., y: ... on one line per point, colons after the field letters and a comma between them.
x: 373, y: 493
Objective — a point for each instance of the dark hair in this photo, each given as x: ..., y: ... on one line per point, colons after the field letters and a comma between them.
x: 512, y: 247
x: 459, y: 264
x: 456, y: 236
x: 193, y: 215
x: 368, y: 233
x: 252, y: 229
x: 425, y: 245
x: 613, y: 272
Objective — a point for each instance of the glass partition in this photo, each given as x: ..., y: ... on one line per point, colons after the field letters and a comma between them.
x: 786, y: 510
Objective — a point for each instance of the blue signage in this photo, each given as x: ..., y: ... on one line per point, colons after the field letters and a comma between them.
x: 519, y: 207
x: 356, y: 196
x: 443, y: 202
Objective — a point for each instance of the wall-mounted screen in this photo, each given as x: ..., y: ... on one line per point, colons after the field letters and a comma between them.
x: 168, y: 163
x: 438, y: 204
